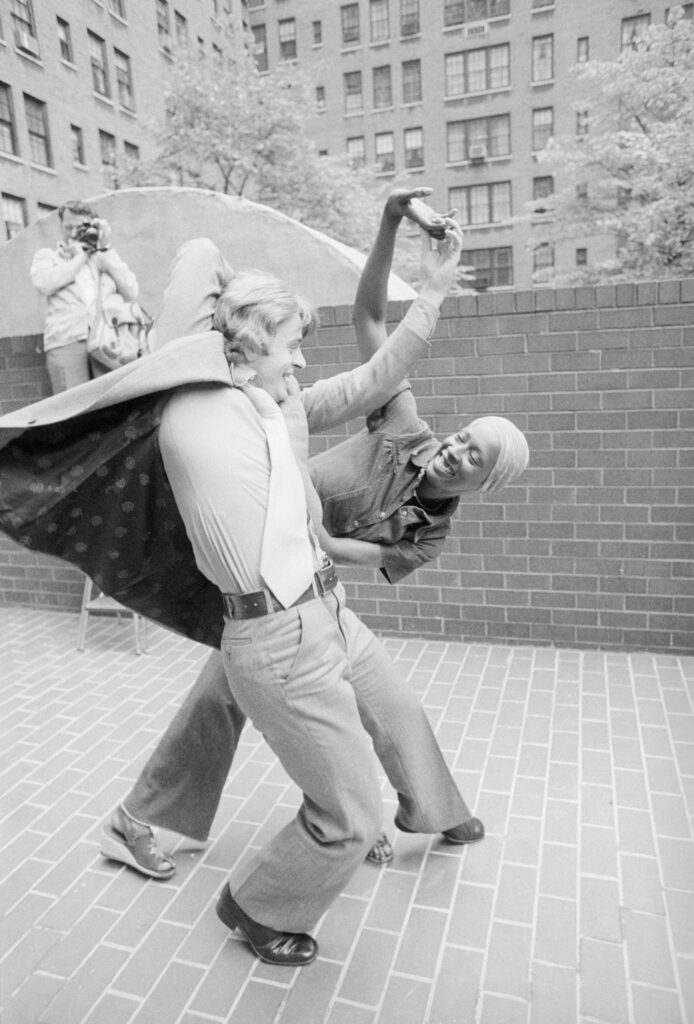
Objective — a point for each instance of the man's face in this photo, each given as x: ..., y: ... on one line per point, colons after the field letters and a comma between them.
x: 71, y: 221
x: 284, y: 355
x: 463, y: 462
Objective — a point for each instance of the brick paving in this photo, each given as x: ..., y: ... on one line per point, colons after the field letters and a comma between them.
x: 577, y: 907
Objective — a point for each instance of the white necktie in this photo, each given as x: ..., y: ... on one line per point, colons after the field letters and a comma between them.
x: 286, y: 560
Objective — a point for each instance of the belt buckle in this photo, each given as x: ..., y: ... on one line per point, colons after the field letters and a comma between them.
x: 326, y: 579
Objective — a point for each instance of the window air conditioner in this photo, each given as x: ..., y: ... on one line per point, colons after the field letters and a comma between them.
x: 478, y: 153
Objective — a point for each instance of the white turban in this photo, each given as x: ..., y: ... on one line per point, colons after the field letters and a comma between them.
x: 513, y: 452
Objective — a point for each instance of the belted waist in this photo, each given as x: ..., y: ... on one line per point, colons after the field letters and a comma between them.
x: 263, y: 602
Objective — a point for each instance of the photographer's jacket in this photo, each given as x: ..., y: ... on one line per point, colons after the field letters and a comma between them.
x: 81, y: 476
x: 71, y: 297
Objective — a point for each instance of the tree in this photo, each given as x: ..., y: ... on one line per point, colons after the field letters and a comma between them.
x: 233, y: 130
x: 629, y: 180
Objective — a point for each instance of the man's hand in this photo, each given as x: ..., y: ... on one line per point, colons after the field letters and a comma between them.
x: 104, y: 240
x: 439, y: 267
x: 73, y: 247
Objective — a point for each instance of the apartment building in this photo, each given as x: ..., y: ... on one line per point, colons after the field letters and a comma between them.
x: 460, y: 94
x: 80, y: 85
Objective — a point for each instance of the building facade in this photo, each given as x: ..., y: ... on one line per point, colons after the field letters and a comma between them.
x: 459, y: 94
x: 80, y: 87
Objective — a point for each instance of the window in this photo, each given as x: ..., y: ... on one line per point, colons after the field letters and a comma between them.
x: 632, y: 30
x: 582, y: 191
x: 181, y: 25
x: 117, y: 7
x: 539, y: 4
x: 383, y: 93
x: 482, y: 204
x: 8, y: 130
x: 45, y: 209
x: 349, y: 19
x: 543, y: 58
x: 320, y: 97
x: 623, y: 195
x: 385, y: 152
x: 543, y: 259
x: 478, y: 70
x: 414, y: 148
x: 581, y: 122
x: 163, y: 25
x: 378, y: 18
x: 543, y: 127
x: 317, y: 33
x: 77, y: 142
x: 97, y: 57
x: 493, y: 134
x: 581, y: 257
x: 14, y: 214
x: 24, y: 27
x: 456, y: 12
x: 409, y: 18
x: 354, y: 99
x: 107, y: 148
x: 356, y: 151
x: 493, y: 267
x: 64, y: 41
x: 688, y: 10
x: 124, y: 80
x: 255, y: 3
x: 260, y: 47
x: 37, y: 127
x: 582, y: 50
x: 542, y: 188
x: 411, y: 81
x: 287, y: 28
x: 132, y: 152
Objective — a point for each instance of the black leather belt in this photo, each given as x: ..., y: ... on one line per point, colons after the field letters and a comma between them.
x: 263, y: 602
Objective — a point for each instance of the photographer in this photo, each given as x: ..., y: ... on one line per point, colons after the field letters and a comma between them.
x: 75, y: 277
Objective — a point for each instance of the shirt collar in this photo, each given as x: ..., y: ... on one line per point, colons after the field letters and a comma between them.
x: 422, y: 454
x: 242, y: 376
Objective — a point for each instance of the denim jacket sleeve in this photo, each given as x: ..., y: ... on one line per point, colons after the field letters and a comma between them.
x: 403, y: 557
x: 357, y: 392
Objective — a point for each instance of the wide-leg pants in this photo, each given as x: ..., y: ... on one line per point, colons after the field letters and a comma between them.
x: 313, y: 679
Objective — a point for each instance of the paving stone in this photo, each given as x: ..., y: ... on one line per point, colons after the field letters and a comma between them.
x: 553, y: 997
x: 438, y: 881
x: 508, y: 962
x: 516, y: 893
x: 453, y: 1002
x: 27, y: 1005
x: 556, y: 932
x: 603, y: 986
x: 113, y: 1009
x: 368, y: 967
x: 655, y: 1004
x: 405, y: 1001
x: 392, y: 900
x: 79, y: 994
x: 558, y: 870
x: 171, y: 995
x: 419, y: 950
x: 598, y: 851
x: 150, y: 960
x: 641, y: 885
x: 311, y: 994
x: 648, y: 949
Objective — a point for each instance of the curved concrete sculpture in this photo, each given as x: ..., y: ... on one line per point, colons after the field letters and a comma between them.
x: 149, y: 224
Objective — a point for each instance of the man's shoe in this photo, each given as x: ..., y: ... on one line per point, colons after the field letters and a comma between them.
x: 286, y: 949
x: 133, y: 843
x: 381, y: 852
x: 469, y: 832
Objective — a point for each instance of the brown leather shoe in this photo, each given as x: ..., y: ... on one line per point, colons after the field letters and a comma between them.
x: 469, y: 832
x: 286, y: 949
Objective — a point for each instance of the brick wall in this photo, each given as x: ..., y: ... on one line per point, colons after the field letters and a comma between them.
x: 593, y: 546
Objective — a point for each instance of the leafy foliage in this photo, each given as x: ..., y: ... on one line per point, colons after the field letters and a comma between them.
x: 629, y: 182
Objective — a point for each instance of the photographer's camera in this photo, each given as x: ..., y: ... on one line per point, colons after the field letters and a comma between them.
x: 87, y: 234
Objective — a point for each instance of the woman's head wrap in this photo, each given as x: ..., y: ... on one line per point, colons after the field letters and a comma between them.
x: 513, y: 452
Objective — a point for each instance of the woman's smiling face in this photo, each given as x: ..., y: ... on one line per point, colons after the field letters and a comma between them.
x: 463, y: 462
